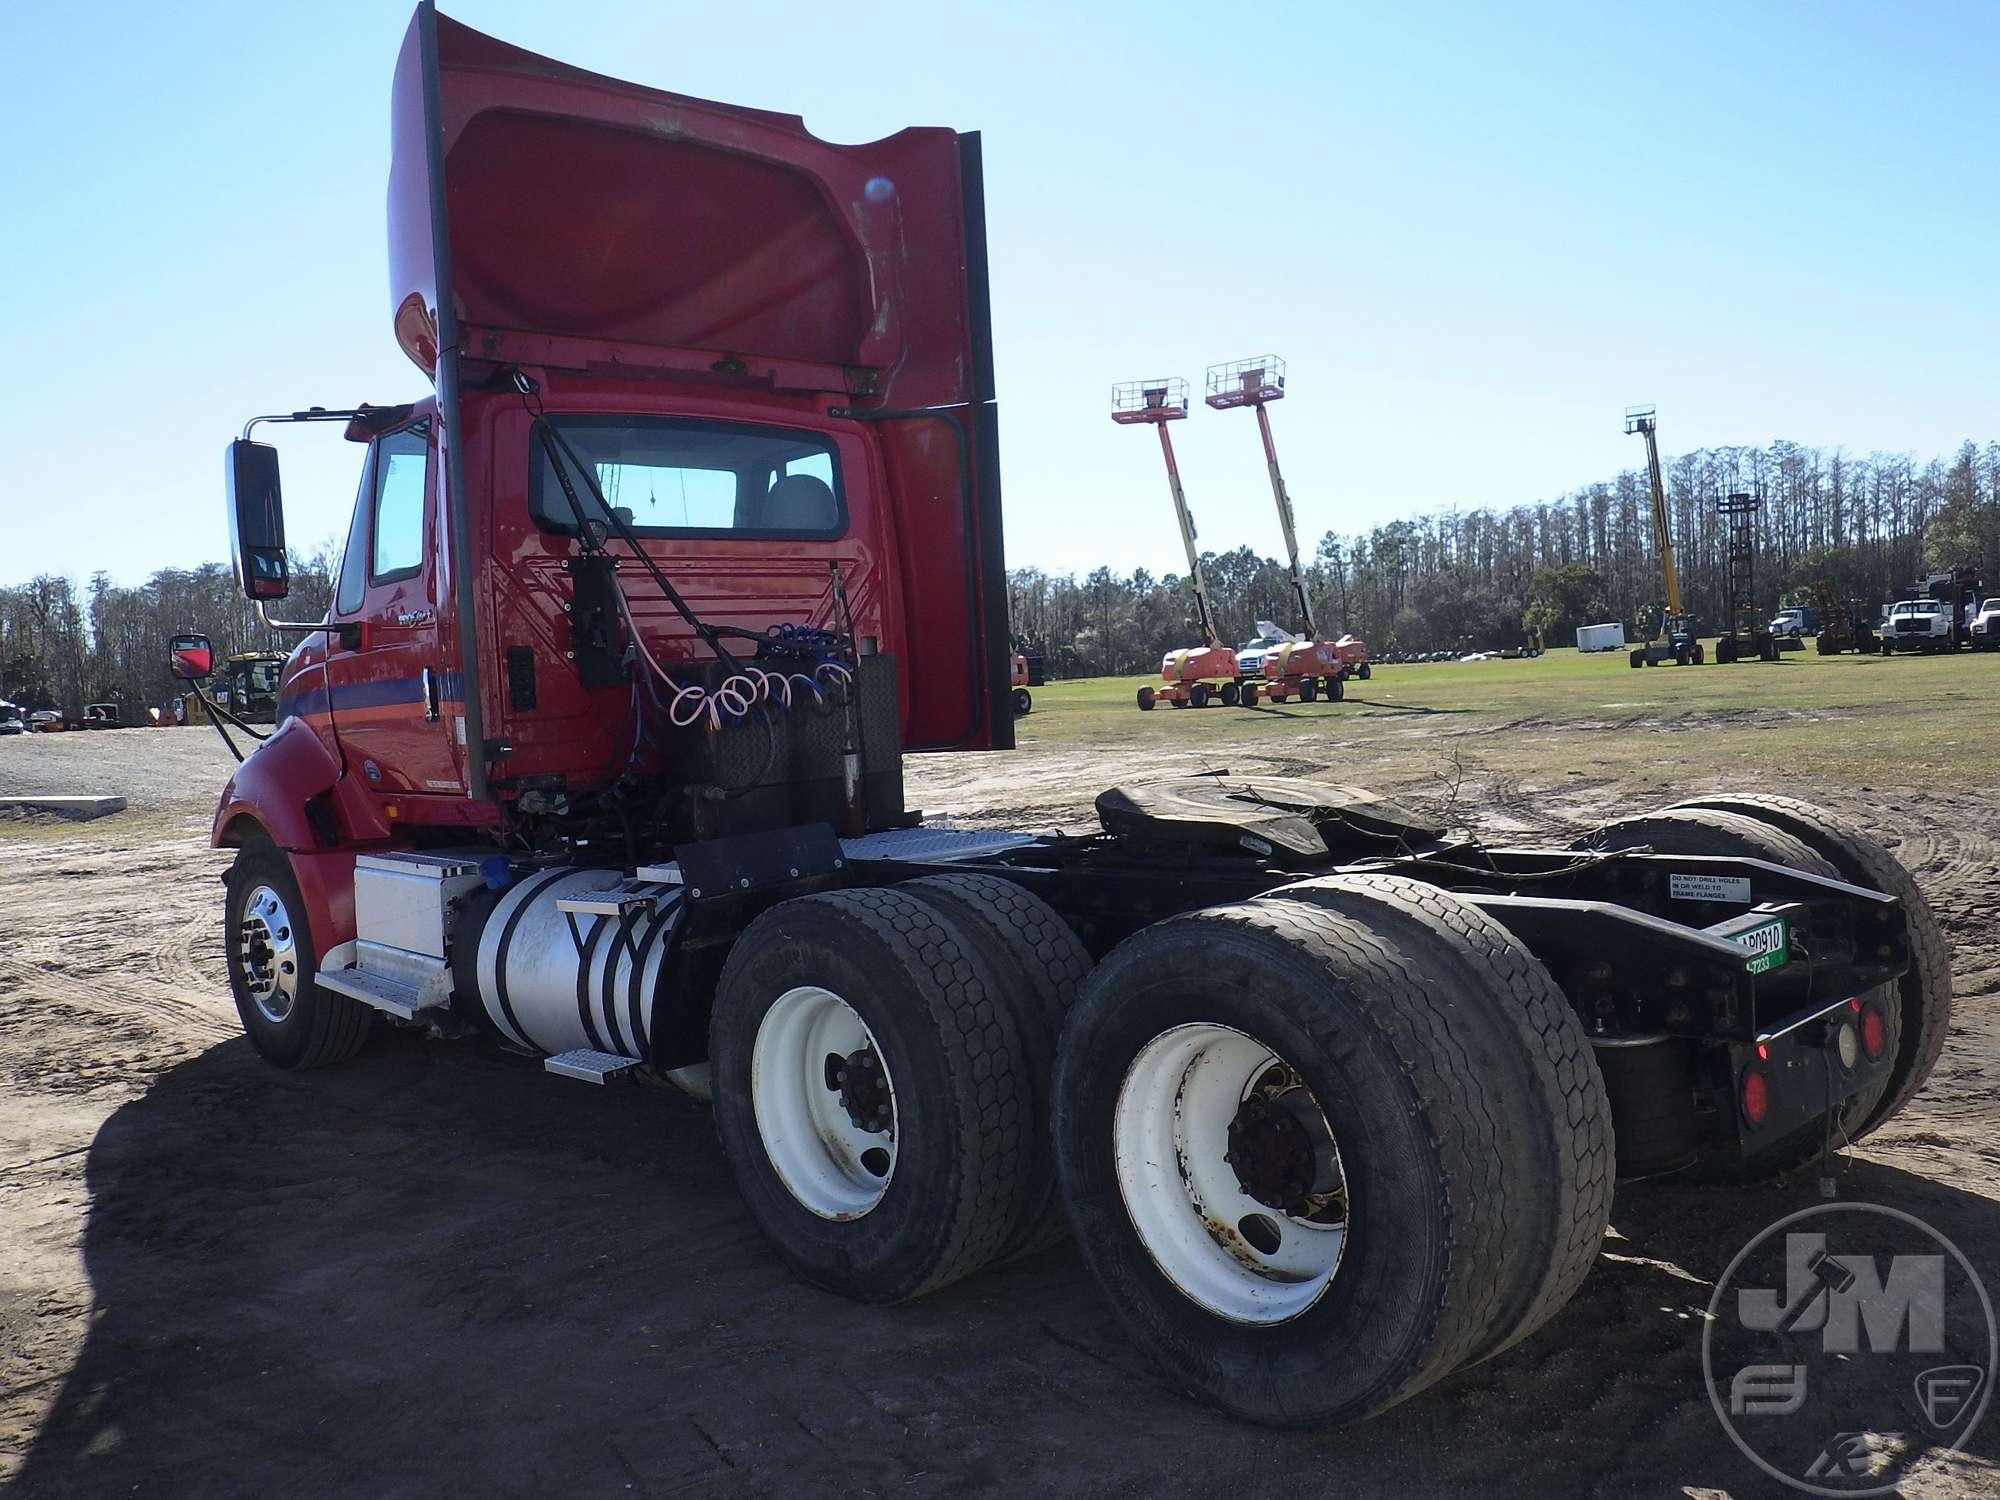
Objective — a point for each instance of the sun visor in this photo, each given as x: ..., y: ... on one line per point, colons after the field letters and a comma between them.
x: 575, y: 221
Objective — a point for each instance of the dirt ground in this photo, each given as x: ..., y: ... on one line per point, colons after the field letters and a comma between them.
x: 436, y: 1270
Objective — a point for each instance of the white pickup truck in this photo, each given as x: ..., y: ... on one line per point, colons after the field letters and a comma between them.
x: 1917, y: 625
x: 1986, y: 626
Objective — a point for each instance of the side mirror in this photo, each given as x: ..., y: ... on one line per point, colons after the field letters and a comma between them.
x: 257, y: 520
x: 190, y: 657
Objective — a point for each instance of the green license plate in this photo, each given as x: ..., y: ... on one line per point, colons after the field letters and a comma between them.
x: 1768, y: 944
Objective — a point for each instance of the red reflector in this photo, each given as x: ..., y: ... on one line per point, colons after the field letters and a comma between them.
x: 1763, y: 1053
x: 1756, y: 1096
x: 1855, y: 1005
x: 1874, y: 1032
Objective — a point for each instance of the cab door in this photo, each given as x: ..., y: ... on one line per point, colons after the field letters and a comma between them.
x: 391, y: 670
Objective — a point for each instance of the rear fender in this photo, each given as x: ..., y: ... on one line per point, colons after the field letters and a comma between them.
x: 290, y: 790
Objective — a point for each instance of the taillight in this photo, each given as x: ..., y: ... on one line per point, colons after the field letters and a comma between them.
x: 1754, y: 1092
x: 1874, y: 1032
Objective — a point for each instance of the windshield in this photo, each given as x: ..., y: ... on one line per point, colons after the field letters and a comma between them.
x: 1918, y: 607
x: 676, y: 477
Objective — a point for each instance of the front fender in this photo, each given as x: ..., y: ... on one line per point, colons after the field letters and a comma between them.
x: 292, y: 787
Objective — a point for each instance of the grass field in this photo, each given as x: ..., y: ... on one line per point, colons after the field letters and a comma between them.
x: 1906, y: 719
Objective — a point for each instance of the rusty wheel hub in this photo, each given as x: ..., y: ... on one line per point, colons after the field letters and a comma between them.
x: 863, y: 1087
x: 1283, y: 1152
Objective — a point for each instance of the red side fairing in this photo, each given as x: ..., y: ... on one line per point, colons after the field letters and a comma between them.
x: 648, y: 252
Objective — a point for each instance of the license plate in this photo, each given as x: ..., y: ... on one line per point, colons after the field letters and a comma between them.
x: 1768, y: 943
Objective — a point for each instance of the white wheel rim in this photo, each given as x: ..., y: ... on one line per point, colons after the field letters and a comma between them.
x: 824, y: 1157
x: 1192, y: 1212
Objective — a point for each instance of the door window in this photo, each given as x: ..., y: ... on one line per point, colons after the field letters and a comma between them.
x: 402, y: 463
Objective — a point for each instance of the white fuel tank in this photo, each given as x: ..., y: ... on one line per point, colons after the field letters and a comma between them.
x: 555, y: 979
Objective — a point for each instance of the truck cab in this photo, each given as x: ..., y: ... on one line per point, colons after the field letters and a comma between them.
x: 1986, y: 626
x: 1795, y: 623
x: 1917, y: 625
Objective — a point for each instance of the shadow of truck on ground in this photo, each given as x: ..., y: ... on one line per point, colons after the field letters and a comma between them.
x: 437, y: 1271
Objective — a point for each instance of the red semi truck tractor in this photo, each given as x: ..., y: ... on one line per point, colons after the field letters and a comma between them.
x: 597, y: 759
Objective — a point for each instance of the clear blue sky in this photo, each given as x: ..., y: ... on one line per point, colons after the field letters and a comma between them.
x: 1476, y: 232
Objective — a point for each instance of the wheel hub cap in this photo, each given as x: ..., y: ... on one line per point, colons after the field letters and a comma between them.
x: 267, y: 954
x: 1282, y: 1150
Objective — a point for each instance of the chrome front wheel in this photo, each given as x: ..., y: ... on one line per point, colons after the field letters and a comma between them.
x: 267, y: 954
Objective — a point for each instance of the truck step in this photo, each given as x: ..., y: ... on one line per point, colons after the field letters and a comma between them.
x: 611, y: 903
x: 588, y: 1066
x: 403, y: 1001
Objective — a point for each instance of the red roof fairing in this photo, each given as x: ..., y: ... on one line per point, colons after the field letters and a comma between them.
x: 598, y: 224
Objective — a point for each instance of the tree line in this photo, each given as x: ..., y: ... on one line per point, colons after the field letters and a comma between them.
x: 62, y: 647
x: 1465, y: 578
x: 1483, y: 577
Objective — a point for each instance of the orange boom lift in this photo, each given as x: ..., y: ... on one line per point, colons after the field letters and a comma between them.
x: 1194, y: 676
x: 1306, y: 667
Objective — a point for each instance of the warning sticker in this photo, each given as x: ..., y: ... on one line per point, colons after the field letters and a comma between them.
x: 1709, y: 888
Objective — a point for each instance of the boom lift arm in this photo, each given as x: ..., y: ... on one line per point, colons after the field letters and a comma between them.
x: 1160, y: 402
x: 1645, y: 421
x: 1675, y: 640
x: 1185, y: 674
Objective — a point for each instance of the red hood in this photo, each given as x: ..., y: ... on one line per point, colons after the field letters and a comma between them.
x: 580, y: 222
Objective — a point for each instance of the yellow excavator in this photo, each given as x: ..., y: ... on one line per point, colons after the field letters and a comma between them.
x: 248, y: 689
x: 1675, y: 641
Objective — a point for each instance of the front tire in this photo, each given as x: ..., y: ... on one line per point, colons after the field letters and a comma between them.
x: 1024, y: 702
x: 268, y: 950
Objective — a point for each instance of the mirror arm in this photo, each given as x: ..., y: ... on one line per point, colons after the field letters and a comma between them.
x: 311, y: 414
x: 300, y: 626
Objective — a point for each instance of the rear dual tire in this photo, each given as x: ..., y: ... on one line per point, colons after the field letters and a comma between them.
x: 899, y: 1004
x: 1470, y: 1140
x: 881, y: 1064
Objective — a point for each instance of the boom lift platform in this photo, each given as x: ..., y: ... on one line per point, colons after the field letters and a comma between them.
x: 1331, y: 1097
x: 1308, y: 666
x: 1749, y: 628
x: 1192, y: 676
x: 1675, y: 641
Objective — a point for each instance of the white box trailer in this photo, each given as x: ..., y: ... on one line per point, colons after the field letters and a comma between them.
x: 1609, y: 637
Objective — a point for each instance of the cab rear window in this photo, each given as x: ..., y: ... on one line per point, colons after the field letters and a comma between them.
x: 679, y: 477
